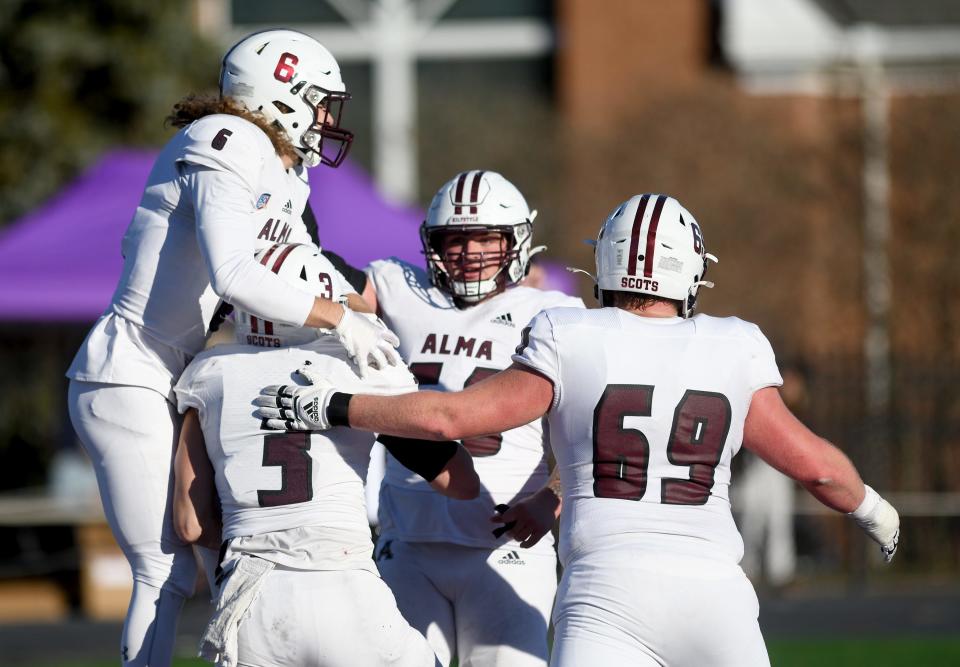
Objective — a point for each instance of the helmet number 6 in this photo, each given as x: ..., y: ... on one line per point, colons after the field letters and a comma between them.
x: 284, y: 71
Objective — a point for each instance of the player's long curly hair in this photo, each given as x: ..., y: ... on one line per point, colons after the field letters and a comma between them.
x: 193, y: 107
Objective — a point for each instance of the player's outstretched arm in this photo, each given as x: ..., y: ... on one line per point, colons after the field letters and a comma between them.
x: 773, y: 433
x: 505, y: 400
x: 446, y: 465
x: 359, y: 304
x: 196, y: 509
x: 458, y: 479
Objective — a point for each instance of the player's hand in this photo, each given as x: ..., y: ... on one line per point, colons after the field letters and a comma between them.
x: 288, y: 407
x: 367, y: 340
x: 528, y: 520
x: 880, y: 521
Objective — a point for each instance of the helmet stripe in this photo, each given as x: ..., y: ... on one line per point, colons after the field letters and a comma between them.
x: 266, y: 255
x: 458, y: 195
x: 283, y: 256
x: 652, y: 236
x: 475, y: 191
x: 635, y: 235
x: 254, y: 322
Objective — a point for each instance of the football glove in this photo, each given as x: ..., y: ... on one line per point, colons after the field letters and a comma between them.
x: 880, y: 521
x: 367, y: 340
x: 294, y: 408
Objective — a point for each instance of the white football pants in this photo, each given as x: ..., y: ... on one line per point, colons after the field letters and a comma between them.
x: 335, y: 618
x: 130, y: 435
x: 490, y: 608
x: 684, y: 613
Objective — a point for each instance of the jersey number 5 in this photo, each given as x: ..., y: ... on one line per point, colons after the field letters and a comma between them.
x: 621, y: 455
x: 290, y: 451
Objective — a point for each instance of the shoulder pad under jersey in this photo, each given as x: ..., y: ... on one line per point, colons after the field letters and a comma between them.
x: 230, y: 143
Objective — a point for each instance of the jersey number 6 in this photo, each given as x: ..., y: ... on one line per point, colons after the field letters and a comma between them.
x: 621, y: 455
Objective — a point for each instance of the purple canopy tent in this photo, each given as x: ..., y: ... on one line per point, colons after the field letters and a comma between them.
x: 62, y: 261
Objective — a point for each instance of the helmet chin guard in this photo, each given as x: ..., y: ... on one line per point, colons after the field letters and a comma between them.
x: 295, y: 83
x: 479, y: 201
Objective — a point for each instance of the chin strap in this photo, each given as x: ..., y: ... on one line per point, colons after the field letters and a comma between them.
x: 692, y: 292
x: 596, y: 284
x: 692, y: 296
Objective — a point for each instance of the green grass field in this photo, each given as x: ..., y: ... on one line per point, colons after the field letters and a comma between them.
x: 793, y: 653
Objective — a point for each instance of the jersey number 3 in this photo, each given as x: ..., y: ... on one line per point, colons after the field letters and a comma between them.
x: 621, y: 455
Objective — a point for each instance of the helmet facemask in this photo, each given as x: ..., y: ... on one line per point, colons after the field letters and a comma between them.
x: 312, y: 148
x: 478, y: 201
x: 448, y: 270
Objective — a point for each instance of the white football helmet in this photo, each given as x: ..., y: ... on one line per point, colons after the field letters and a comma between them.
x: 652, y: 245
x: 291, y: 79
x: 479, y: 201
x: 300, y: 265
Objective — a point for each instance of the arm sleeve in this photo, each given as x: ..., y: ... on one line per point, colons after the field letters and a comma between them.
x: 427, y: 458
x: 219, y: 202
x: 538, y: 351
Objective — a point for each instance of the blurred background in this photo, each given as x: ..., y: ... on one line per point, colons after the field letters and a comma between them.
x: 816, y: 141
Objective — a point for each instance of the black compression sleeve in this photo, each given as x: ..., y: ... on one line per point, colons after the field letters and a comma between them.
x: 427, y: 458
x: 338, y: 409
x: 310, y: 221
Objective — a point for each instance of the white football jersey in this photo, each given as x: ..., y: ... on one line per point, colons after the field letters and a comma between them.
x: 161, y: 309
x: 646, y: 417
x: 448, y: 348
x: 273, y: 481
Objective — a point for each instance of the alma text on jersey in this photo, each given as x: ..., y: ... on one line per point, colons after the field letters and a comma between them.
x: 465, y: 346
x: 275, y: 230
x: 639, y: 283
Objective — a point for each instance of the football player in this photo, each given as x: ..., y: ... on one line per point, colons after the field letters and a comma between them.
x: 232, y: 180
x: 298, y: 582
x: 646, y: 406
x: 473, y: 593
